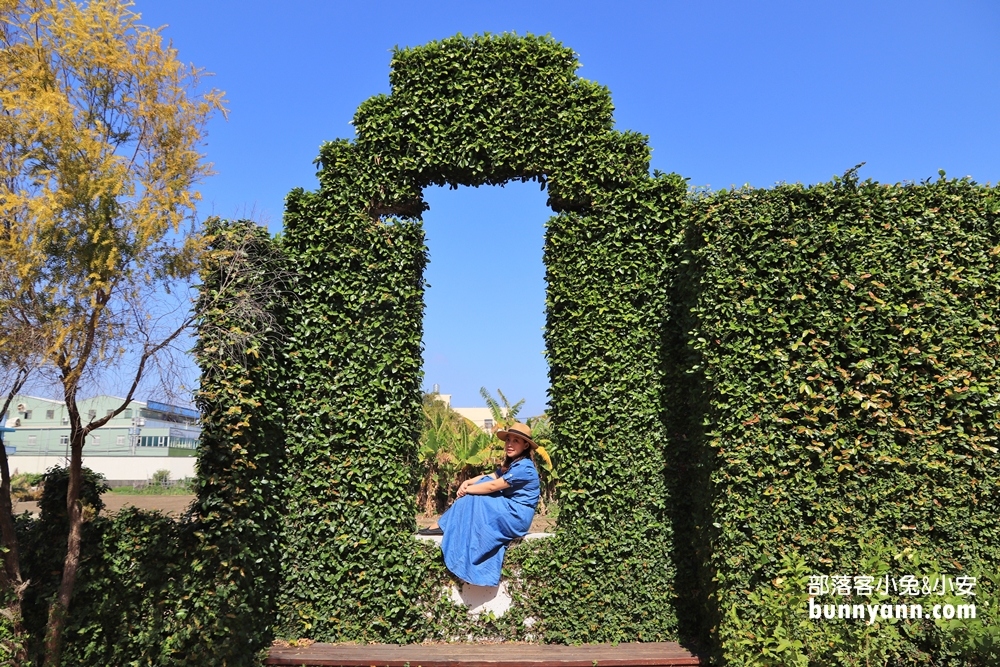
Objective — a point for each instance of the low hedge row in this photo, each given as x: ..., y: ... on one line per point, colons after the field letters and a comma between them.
x: 131, y: 566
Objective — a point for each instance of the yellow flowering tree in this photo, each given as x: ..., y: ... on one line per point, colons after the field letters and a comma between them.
x: 100, y: 133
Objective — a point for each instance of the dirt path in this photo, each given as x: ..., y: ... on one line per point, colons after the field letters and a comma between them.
x: 169, y: 505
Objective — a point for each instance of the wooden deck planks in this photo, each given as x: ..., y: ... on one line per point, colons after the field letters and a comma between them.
x: 659, y: 654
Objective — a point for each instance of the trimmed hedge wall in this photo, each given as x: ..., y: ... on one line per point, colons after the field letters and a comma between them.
x: 227, y: 597
x: 199, y: 590
x: 609, y: 575
x: 349, y: 564
x: 843, y: 393
x: 474, y: 111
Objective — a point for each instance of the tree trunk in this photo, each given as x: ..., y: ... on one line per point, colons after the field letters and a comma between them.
x: 59, y: 609
x: 10, y: 573
x: 12, y: 560
x: 431, y: 489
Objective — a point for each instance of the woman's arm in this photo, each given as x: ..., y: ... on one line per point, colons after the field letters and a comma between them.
x: 467, y: 483
x: 485, y: 488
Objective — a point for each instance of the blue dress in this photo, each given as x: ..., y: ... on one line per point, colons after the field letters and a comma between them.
x: 477, y: 528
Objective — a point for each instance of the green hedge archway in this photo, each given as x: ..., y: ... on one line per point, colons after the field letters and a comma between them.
x: 475, y: 111
x: 828, y: 411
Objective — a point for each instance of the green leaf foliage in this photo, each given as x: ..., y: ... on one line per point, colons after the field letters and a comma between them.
x: 747, y: 387
x: 232, y: 567
x: 475, y: 111
x: 202, y: 590
x: 834, y: 364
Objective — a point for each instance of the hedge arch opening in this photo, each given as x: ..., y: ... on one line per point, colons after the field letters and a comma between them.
x: 477, y: 111
x: 484, y: 313
x: 485, y: 276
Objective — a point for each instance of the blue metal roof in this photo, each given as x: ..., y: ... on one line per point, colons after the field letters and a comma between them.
x: 172, y: 409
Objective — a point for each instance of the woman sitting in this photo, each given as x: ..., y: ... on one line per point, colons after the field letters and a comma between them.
x: 490, y: 511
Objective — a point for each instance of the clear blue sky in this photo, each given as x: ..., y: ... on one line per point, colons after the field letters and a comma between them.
x: 729, y: 92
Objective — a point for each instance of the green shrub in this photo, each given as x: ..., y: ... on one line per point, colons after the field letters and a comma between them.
x: 42, y: 545
x: 160, y: 478
x: 26, y: 486
x: 778, y: 632
x: 55, y: 486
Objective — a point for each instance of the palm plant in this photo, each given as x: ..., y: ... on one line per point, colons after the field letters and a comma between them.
x: 541, y: 432
x: 472, y: 451
x: 503, y: 415
x: 433, y: 454
x: 453, y: 449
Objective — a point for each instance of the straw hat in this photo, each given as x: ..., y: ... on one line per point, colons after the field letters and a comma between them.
x: 519, y: 429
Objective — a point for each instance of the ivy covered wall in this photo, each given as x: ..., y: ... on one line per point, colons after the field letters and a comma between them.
x: 724, y: 392
x: 837, y: 384
x: 477, y: 111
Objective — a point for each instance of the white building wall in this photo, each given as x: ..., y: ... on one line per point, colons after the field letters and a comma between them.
x: 114, y: 468
x: 481, y: 417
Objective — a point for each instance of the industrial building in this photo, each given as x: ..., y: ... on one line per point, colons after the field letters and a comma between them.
x: 145, y: 437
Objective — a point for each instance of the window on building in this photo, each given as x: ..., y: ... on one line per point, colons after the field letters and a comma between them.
x: 91, y: 415
x: 110, y: 412
x: 63, y: 439
x: 32, y: 439
x: 488, y: 424
x: 161, y: 441
x: 27, y: 414
x: 95, y: 440
x: 120, y: 440
x: 127, y: 414
x: 50, y: 414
